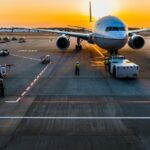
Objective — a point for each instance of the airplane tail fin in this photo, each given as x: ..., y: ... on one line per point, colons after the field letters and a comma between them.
x: 90, y: 9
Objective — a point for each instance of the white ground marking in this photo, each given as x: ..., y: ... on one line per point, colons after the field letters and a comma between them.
x: 76, y: 118
x: 28, y: 51
x: 30, y: 86
x: 29, y: 58
x: 67, y: 118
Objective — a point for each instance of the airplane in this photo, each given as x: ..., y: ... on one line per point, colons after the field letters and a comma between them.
x: 110, y: 33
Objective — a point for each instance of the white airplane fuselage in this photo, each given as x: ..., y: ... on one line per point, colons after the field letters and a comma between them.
x: 110, y: 33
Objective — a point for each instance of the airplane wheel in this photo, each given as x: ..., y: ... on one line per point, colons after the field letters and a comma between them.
x: 78, y: 47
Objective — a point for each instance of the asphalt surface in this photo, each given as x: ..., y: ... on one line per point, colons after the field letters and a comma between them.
x: 48, y: 107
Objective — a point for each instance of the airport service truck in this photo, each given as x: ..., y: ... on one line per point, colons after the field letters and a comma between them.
x: 3, y: 71
x: 46, y: 59
x: 120, y: 67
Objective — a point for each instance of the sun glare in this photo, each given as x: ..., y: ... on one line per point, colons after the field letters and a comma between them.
x: 102, y: 8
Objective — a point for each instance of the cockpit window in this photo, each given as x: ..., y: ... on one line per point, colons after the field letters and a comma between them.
x: 113, y: 28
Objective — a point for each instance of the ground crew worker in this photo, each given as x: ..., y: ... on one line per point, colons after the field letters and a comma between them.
x: 106, y: 63
x: 77, y: 69
x: 2, y: 88
x: 0, y: 72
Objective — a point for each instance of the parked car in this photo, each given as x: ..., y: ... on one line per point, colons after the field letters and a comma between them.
x: 4, y: 52
x: 6, y: 39
x: 22, y: 40
x: 14, y: 38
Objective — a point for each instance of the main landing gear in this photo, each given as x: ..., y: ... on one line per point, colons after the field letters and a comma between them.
x: 78, y: 46
x: 113, y: 52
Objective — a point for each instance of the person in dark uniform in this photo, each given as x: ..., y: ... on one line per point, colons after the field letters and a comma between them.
x: 2, y: 88
x: 77, y: 69
x: 106, y: 63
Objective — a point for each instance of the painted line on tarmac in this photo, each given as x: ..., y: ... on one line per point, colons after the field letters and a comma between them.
x: 91, y: 102
x: 24, y: 57
x: 97, y: 49
x: 75, y: 118
x: 30, y: 86
x: 27, y: 51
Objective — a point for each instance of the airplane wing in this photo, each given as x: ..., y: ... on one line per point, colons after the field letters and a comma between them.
x: 84, y: 36
x: 137, y: 31
x: 79, y: 27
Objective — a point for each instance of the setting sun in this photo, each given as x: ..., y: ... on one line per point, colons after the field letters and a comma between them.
x: 103, y: 8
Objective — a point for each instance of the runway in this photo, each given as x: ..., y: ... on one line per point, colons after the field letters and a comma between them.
x: 48, y: 107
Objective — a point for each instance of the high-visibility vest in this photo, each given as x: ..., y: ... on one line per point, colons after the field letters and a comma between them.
x: 77, y: 65
x: 106, y: 62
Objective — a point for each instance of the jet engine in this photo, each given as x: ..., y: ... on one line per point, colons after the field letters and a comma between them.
x: 136, y: 42
x: 63, y: 42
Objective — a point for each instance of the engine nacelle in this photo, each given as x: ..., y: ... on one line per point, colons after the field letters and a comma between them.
x: 136, y: 42
x: 63, y: 42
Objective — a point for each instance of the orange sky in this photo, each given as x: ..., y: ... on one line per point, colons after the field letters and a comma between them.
x: 48, y: 13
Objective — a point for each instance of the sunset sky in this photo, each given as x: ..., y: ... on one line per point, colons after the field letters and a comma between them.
x: 50, y: 13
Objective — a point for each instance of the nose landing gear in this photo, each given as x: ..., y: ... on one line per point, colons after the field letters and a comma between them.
x: 113, y: 52
x: 78, y: 46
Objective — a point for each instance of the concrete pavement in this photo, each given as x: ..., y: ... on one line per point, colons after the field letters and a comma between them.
x: 59, y: 93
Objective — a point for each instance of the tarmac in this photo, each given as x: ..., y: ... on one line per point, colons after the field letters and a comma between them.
x: 48, y: 107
